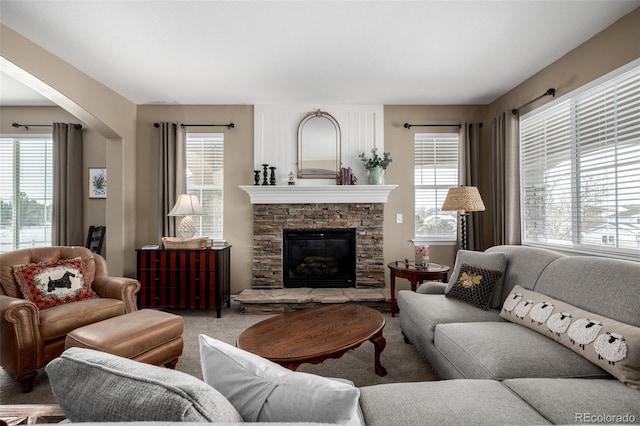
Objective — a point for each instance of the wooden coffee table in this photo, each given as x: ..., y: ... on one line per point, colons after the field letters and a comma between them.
x: 315, y: 334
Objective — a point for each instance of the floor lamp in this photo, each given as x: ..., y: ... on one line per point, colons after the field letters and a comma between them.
x: 463, y: 199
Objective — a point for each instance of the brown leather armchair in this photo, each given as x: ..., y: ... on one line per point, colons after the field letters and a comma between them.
x: 30, y: 337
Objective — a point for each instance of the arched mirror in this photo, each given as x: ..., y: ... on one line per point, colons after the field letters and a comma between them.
x: 318, y: 146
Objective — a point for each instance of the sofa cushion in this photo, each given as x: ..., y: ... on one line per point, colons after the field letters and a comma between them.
x: 610, y: 344
x: 524, y: 265
x: 503, y: 350
x: 492, y: 261
x: 446, y: 402
x: 93, y: 386
x: 432, y: 287
x: 574, y: 401
x: 475, y: 286
x: 49, y: 284
x: 607, y: 287
x: 425, y: 311
x: 263, y: 391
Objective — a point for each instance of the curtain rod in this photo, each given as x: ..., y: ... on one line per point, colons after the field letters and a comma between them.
x: 26, y: 126
x: 408, y: 126
x: 549, y: 92
x: 228, y: 126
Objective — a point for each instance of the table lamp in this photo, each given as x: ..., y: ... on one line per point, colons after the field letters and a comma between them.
x: 187, y: 205
x: 463, y: 199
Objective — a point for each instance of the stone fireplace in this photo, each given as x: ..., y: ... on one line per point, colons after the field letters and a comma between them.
x: 270, y: 220
x: 278, y: 208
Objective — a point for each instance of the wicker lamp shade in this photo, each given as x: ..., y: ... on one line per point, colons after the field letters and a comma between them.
x: 463, y: 199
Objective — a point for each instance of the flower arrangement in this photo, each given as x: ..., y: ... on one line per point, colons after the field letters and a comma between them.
x: 375, y: 160
x: 422, y: 255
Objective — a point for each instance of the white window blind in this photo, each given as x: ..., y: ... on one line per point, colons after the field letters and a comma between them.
x: 26, y: 192
x: 205, y: 158
x: 580, y: 169
x: 435, y: 170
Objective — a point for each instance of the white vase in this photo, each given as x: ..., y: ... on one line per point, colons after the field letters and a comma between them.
x: 375, y: 176
x: 422, y: 254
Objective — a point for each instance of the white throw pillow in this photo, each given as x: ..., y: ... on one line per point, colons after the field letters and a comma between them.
x: 263, y: 391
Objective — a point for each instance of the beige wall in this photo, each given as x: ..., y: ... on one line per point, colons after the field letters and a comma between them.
x: 613, y: 47
x: 103, y: 110
x: 93, y: 148
x: 399, y: 142
x: 238, y: 170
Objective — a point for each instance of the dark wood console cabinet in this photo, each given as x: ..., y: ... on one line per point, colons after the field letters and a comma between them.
x: 184, y: 278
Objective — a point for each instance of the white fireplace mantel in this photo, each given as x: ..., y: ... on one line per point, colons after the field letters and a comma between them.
x: 303, y: 194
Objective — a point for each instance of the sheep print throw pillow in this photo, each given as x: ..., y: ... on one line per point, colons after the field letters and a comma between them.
x: 51, y: 284
x: 611, y: 345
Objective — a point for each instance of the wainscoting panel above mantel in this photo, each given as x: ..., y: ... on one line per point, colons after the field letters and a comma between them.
x: 276, y: 137
x: 283, y: 194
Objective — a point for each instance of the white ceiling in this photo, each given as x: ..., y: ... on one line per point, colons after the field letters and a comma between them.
x: 321, y: 52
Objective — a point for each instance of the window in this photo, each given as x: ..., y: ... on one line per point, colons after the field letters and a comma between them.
x: 26, y: 192
x: 436, y: 170
x: 580, y: 168
x: 205, y: 179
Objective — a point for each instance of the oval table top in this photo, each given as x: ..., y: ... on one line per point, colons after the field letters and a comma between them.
x: 312, y: 334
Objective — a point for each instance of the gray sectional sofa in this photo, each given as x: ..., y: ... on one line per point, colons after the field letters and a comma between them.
x: 499, y: 366
x: 563, y: 380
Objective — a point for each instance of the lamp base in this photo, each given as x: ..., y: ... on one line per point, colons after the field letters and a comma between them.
x: 463, y: 230
x: 187, y: 229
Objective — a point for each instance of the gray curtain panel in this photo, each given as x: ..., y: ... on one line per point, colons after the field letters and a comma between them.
x: 66, y: 215
x: 172, y: 175
x: 505, y: 130
x: 469, y: 158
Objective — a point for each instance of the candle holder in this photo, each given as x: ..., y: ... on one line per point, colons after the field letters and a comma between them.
x: 256, y: 177
x: 272, y: 178
x: 265, y: 174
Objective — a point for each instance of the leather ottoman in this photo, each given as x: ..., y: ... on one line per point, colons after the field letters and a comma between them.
x: 149, y: 336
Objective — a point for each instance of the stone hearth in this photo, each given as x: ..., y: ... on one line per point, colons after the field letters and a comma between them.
x: 255, y: 301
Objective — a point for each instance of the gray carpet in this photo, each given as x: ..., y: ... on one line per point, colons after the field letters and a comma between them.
x: 402, y: 361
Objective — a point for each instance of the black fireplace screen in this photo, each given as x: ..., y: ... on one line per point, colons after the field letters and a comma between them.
x: 319, y: 258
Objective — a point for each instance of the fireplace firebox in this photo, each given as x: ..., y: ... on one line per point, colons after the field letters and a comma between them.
x: 319, y: 258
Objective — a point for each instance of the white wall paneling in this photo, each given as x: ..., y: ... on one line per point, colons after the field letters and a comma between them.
x: 276, y: 133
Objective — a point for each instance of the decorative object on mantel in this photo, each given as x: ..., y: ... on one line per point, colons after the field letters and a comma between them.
x: 376, y: 166
x: 346, y: 177
x: 256, y: 177
x: 186, y: 206
x: 291, y: 179
x: 272, y: 176
x: 463, y: 199
x: 265, y: 174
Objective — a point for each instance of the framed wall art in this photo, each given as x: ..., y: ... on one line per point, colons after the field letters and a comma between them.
x: 97, y: 182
